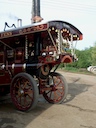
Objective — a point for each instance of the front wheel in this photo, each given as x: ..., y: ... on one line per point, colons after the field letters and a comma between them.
x: 24, y: 92
x: 58, y: 88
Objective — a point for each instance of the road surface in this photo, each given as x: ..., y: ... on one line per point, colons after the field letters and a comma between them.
x: 78, y: 110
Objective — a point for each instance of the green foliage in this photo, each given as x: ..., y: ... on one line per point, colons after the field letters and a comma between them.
x: 72, y: 69
x: 93, y: 55
x: 84, y: 58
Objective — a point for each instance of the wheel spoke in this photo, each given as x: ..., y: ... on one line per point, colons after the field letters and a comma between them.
x: 29, y: 92
x: 55, y: 95
x: 60, y: 92
x: 26, y: 83
x: 30, y: 97
x: 25, y: 101
x: 50, y: 94
x: 58, y: 83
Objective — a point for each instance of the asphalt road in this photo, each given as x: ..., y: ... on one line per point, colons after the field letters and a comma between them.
x: 78, y: 110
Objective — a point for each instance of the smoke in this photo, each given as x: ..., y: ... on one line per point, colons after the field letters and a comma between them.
x: 13, y: 17
x: 9, y: 16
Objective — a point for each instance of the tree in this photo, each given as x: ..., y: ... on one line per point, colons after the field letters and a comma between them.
x: 84, y: 59
x: 93, y: 55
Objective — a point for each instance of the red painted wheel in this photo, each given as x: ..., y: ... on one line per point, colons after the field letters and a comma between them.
x: 57, y: 88
x: 24, y: 92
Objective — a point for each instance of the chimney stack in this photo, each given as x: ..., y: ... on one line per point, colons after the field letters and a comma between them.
x: 36, y: 11
x: 19, y: 21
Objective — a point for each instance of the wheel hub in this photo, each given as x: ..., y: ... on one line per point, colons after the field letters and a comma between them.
x: 54, y: 88
x: 20, y: 92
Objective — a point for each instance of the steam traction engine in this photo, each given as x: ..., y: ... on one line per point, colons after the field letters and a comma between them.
x: 29, y: 57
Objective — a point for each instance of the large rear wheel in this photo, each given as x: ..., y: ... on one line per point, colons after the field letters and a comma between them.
x: 57, y: 88
x: 24, y: 92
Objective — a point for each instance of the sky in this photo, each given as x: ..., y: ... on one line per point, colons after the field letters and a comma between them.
x: 80, y: 13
